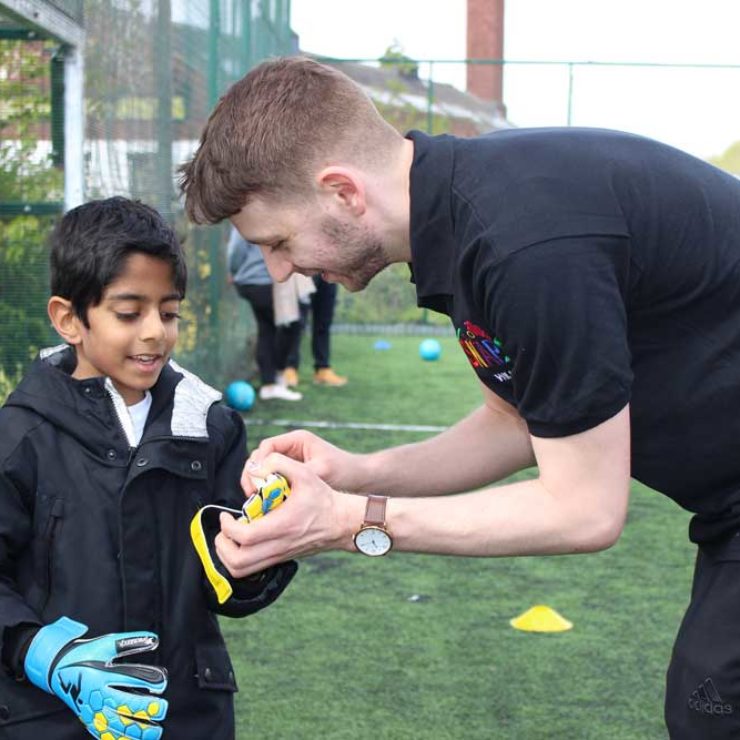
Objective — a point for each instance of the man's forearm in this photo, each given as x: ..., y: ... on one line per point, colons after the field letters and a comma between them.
x: 520, y: 518
x: 578, y: 503
x: 482, y: 448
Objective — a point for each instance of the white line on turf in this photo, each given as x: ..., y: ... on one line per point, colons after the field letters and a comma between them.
x: 343, y: 425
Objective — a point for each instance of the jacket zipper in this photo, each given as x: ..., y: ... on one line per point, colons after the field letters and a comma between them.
x: 57, y: 510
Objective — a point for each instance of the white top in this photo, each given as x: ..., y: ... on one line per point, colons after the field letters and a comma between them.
x: 132, y: 418
x: 139, y: 412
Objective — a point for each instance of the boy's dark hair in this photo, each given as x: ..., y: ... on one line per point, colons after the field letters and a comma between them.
x: 90, y: 245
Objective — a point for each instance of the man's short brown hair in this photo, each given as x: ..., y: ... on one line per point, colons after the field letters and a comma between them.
x: 271, y: 129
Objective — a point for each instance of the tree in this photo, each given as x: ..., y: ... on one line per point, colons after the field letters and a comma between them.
x: 730, y: 160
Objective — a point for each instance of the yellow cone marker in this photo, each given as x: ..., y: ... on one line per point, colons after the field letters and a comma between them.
x: 541, y: 618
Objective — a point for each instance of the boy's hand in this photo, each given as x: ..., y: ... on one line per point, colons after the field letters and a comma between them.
x: 111, y: 700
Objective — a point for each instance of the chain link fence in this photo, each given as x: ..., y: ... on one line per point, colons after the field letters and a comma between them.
x: 152, y: 73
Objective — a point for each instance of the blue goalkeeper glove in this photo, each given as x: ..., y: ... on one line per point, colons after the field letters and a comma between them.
x: 112, y: 700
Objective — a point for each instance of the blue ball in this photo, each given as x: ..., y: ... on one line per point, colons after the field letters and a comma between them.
x: 240, y: 395
x: 430, y: 350
x: 382, y: 344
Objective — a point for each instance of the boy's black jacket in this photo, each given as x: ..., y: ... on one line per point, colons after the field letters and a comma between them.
x: 93, y: 530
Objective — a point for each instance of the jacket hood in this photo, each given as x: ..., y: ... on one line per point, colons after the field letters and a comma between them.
x: 85, y: 408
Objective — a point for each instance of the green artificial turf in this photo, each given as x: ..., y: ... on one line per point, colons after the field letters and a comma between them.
x: 418, y: 646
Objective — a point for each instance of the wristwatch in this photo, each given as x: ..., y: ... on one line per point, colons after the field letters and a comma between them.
x: 372, y: 537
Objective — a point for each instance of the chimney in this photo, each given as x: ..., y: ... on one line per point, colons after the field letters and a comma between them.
x: 485, y: 40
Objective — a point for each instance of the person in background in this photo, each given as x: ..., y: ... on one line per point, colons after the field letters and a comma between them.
x: 321, y: 310
x: 249, y: 276
x: 107, y: 449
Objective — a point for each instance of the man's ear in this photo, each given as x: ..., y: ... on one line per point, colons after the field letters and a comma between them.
x: 344, y: 186
x: 65, y: 320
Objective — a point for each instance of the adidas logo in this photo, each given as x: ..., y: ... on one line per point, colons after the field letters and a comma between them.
x: 706, y: 699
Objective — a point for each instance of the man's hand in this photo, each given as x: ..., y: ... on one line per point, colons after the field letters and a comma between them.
x: 111, y: 700
x: 313, y: 519
x: 341, y: 470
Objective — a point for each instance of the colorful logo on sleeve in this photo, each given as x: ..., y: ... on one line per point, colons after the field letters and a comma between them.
x: 483, y: 351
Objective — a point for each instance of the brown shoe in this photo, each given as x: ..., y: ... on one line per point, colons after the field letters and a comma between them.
x: 290, y: 377
x: 326, y: 376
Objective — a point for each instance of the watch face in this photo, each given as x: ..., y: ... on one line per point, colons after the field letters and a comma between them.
x: 373, y: 541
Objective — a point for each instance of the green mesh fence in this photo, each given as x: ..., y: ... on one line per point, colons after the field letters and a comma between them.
x: 152, y: 76
x: 152, y: 73
x: 27, y: 175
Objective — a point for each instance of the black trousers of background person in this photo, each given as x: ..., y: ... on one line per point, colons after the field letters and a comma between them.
x: 322, y: 316
x: 273, y: 342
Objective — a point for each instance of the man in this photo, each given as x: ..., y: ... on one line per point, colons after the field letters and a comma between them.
x: 593, y: 279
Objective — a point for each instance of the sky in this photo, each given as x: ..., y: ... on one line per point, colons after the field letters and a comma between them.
x: 697, y: 110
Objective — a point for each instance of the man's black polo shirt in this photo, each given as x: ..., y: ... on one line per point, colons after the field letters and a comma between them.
x: 587, y: 269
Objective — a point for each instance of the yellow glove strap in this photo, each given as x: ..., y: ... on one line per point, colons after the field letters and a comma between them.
x: 271, y: 493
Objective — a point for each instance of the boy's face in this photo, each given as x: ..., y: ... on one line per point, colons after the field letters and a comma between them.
x: 132, y: 330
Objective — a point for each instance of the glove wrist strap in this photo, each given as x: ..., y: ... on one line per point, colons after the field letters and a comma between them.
x: 45, y: 647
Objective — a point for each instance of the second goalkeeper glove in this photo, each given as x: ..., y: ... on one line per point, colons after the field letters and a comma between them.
x: 112, y: 700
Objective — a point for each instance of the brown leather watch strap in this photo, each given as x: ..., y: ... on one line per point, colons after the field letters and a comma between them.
x: 375, y: 510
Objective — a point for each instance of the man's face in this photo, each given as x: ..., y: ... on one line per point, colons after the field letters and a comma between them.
x: 307, y: 240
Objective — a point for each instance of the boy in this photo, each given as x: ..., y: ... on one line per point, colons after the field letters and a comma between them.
x: 107, y: 449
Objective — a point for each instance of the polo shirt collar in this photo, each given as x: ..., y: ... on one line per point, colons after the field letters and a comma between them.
x: 432, y: 243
